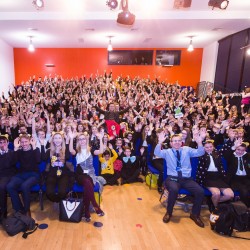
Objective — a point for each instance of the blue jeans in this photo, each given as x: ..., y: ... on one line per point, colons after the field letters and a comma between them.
x: 22, y: 182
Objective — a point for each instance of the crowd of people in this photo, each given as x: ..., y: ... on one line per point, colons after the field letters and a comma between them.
x: 56, y: 120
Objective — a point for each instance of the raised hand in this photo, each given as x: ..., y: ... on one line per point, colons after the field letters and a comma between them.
x: 161, y: 137
x: 110, y: 146
x: 33, y: 142
x: 238, y: 142
x: 17, y: 143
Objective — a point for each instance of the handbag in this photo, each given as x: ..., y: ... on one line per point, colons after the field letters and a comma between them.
x: 71, y: 209
x: 117, y: 165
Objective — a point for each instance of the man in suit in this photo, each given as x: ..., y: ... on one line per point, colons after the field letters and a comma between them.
x: 238, y: 173
x: 179, y: 174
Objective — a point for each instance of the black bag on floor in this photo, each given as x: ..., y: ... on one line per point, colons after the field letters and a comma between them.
x: 19, y: 222
x: 241, y: 217
x: 224, y: 220
x: 71, y: 209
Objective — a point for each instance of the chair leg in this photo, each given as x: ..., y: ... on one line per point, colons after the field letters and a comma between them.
x: 150, y: 183
x: 41, y: 199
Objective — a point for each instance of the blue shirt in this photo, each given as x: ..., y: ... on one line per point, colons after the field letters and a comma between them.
x: 170, y: 156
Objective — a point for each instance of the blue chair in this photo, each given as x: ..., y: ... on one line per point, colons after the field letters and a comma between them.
x: 184, y: 205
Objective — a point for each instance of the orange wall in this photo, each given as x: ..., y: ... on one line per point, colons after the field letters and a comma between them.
x: 71, y: 62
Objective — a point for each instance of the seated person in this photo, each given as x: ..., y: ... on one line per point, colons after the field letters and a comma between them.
x: 211, y: 174
x: 28, y: 155
x: 85, y: 173
x: 58, y: 175
x: 130, y: 167
x: 107, y: 167
x: 238, y: 171
x: 7, y: 170
x: 179, y: 174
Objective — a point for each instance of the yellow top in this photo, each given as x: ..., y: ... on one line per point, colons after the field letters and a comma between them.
x: 107, y: 166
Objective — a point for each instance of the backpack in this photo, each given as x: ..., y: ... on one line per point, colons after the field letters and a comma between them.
x: 19, y: 222
x: 241, y: 216
x: 224, y: 220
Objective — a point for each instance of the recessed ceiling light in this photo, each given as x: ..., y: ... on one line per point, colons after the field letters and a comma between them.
x: 89, y: 29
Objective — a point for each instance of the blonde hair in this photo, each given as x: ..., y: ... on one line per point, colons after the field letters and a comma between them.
x: 78, y: 146
x: 53, y: 148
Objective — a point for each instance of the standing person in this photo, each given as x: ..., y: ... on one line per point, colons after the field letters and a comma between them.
x: 58, y: 175
x: 211, y: 174
x: 85, y: 173
x: 179, y: 174
x: 7, y: 170
x: 112, y: 114
x: 28, y: 155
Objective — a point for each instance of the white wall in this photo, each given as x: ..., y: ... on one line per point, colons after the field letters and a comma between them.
x: 209, y: 60
x: 7, y: 72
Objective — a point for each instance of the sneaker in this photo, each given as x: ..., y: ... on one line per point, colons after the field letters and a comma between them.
x: 101, y: 214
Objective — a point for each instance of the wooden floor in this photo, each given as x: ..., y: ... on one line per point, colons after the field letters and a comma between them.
x: 129, y: 223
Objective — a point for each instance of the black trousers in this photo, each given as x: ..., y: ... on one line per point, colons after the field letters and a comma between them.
x: 3, y: 195
x: 57, y: 187
x: 111, y: 179
x: 130, y: 176
x: 174, y: 184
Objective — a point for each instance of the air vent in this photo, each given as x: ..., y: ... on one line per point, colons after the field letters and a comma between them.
x: 146, y: 40
x: 32, y: 29
x: 49, y: 65
x: 90, y: 29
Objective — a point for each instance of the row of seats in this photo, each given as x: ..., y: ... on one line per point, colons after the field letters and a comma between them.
x: 40, y: 188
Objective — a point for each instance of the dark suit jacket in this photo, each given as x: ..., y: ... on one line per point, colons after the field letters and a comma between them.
x: 203, y: 165
x: 232, y: 164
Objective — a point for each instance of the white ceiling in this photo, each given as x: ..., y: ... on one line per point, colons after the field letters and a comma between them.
x: 88, y: 23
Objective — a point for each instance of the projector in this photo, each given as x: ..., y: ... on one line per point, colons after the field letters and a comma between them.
x: 126, y: 18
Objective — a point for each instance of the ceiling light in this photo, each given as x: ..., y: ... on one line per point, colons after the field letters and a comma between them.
x: 112, y: 4
x: 110, y: 47
x: 125, y: 17
x: 39, y: 4
x: 31, y: 47
x: 221, y: 4
x: 190, y: 46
